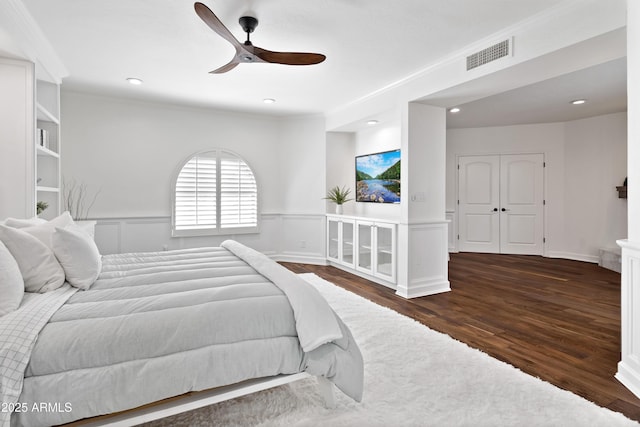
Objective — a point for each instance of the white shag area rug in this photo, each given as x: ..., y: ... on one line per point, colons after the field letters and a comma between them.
x: 414, y: 376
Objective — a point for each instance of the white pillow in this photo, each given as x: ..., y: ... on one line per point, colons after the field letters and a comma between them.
x: 22, y: 223
x: 87, y: 226
x: 11, y: 283
x: 40, y: 269
x: 43, y: 232
x: 78, y: 254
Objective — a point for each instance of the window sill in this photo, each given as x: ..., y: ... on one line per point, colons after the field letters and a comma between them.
x: 214, y: 232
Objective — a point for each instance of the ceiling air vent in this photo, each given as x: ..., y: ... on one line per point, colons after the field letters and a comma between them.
x: 497, y: 51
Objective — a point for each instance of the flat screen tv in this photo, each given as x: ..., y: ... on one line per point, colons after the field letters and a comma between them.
x: 378, y: 177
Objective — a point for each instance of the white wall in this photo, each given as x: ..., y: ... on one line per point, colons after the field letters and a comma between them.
x: 342, y: 149
x: 129, y: 152
x: 382, y: 137
x: 629, y: 366
x: 586, y: 160
x: 633, y: 96
x: 301, y: 170
x: 596, y: 162
x: 16, y: 138
x: 340, y: 157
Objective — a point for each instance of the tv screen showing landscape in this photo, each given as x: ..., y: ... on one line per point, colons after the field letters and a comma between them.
x: 378, y: 177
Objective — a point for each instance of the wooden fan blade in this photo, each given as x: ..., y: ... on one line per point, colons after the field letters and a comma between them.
x: 230, y: 66
x: 288, y: 58
x: 215, y: 24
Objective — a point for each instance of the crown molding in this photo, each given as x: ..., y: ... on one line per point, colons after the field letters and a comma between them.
x: 24, y: 33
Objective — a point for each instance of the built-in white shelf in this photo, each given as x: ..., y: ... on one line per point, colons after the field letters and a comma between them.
x: 43, y: 151
x: 48, y: 189
x: 48, y: 148
x: 44, y: 115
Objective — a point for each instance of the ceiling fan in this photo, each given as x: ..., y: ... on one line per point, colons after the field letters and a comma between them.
x: 246, y: 52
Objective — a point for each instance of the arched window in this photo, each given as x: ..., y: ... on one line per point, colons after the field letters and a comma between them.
x: 215, y: 192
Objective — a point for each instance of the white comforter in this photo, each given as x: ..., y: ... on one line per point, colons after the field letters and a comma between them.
x: 161, y: 324
x: 18, y: 333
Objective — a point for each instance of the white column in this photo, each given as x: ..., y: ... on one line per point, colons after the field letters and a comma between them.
x: 17, y: 138
x: 629, y: 367
x: 422, y: 233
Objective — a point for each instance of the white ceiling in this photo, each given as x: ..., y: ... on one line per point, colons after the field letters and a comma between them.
x: 604, y: 87
x: 369, y: 44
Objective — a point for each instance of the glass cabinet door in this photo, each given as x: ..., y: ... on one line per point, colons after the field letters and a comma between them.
x: 333, y: 239
x: 365, y: 256
x: 348, y: 238
x: 385, y: 250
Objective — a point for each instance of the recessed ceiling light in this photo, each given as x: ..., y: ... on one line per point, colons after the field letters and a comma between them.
x: 134, y: 81
x: 578, y: 101
x: 454, y: 110
x: 372, y: 122
x: 268, y: 100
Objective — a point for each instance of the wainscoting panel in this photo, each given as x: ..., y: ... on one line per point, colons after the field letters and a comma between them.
x: 426, y: 259
x: 452, y: 231
x: 283, y: 237
x: 303, y: 238
x: 145, y: 234
x: 108, y: 236
x: 629, y: 367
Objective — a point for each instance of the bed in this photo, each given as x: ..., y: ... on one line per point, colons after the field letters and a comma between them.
x: 161, y: 324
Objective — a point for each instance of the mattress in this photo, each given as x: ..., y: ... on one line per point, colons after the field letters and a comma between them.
x: 161, y: 324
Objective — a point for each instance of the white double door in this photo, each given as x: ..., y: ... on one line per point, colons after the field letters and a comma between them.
x: 501, y: 204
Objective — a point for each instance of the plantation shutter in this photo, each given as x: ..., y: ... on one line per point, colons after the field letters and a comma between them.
x: 238, y: 193
x: 196, y: 193
x: 215, y: 190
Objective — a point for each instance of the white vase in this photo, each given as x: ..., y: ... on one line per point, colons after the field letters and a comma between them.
x: 339, y: 209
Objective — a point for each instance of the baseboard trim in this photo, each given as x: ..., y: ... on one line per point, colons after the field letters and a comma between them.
x: 628, y: 377
x: 594, y: 259
x: 300, y: 259
x: 422, y: 290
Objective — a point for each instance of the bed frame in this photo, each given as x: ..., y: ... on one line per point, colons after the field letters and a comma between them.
x: 195, y: 400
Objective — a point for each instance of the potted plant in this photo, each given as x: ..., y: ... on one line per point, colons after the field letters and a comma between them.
x: 338, y: 196
x: 41, y: 206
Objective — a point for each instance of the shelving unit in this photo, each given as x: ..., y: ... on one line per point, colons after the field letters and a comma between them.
x: 374, y: 242
x: 48, y: 149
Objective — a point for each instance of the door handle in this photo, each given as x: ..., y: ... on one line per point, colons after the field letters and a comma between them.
x: 505, y: 210
x: 495, y: 210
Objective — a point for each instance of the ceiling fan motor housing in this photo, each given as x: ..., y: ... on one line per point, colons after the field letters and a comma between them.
x: 248, y: 23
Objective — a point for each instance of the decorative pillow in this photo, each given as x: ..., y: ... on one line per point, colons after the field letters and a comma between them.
x: 43, y: 232
x: 78, y: 254
x: 11, y: 283
x: 40, y: 269
x: 87, y: 226
x: 22, y: 223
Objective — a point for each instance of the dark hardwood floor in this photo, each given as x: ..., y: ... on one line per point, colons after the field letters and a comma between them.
x: 555, y: 319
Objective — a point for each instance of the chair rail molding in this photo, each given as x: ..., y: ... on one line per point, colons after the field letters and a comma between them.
x: 284, y: 237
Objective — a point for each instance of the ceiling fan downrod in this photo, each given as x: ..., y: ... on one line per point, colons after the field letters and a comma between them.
x: 248, y: 24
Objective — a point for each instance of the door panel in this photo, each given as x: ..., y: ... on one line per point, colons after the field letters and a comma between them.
x: 501, y: 205
x: 522, y: 198
x: 480, y: 229
x: 479, y: 200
